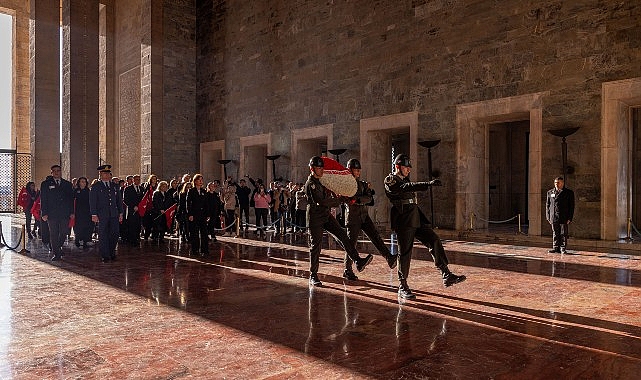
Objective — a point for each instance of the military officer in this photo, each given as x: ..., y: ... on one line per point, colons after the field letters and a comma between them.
x: 56, y: 197
x: 106, y: 210
x: 319, y: 218
x: 358, y: 219
x: 409, y: 222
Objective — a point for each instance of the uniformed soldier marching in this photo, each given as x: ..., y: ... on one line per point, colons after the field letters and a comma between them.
x: 358, y: 219
x: 106, y: 210
x: 409, y: 222
x: 319, y: 218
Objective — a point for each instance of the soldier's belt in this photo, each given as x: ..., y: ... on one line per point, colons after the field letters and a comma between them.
x: 404, y: 202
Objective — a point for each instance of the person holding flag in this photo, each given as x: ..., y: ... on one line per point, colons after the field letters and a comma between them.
x: 106, y: 210
x: 26, y: 200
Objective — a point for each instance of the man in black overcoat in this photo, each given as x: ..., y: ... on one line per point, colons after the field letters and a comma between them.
x: 56, y: 197
x: 559, y: 211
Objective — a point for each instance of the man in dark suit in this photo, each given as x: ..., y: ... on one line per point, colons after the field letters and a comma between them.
x: 106, y: 210
x: 559, y: 211
x: 199, y: 211
x: 56, y: 197
x: 409, y: 222
x: 132, y: 196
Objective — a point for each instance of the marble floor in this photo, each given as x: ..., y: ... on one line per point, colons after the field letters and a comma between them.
x: 246, y: 312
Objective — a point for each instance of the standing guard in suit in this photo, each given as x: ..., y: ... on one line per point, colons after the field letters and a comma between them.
x: 358, y: 219
x: 559, y: 211
x: 319, y: 218
x: 132, y: 196
x: 56, y: 197
x: 409, y: 222
x: 161, y: 202
x: 106, y: 210
x: 199, y: 211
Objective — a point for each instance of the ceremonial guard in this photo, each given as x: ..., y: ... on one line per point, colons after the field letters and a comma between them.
x: 319, y: 218
x: 56, y: 197
x: 559, y: 211
x: 409, y: 222
x: 132, y: 196
x: 106, y: 210
x: 358, y: 219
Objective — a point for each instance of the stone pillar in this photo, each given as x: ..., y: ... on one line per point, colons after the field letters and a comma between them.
x: 151, y: 121
x: 107, y: 140
x: 44, y: 106
x: 80, y: 95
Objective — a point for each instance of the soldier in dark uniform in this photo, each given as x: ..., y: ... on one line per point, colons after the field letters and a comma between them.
x: 56, y: 197
x: 319, y: 218
x: 409, y: 222
x: 357, y: 220
x: 199, y: 210
x: 559, y: 211
x: 132, y: 196
x: 106, y: 210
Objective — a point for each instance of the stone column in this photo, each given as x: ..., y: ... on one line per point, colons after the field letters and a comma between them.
x: 80, y: 95
x: 44, y: 104
x: 151, y: 105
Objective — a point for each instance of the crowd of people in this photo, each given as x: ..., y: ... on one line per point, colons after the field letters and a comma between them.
x: 127, y: 210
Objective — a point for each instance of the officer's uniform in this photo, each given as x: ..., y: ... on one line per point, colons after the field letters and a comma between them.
x: 358, y: 219
x: 319, y: 218
x: 56, y: 197
x: 106, y: 203
x: 409, y: 222
x: 559, y: 209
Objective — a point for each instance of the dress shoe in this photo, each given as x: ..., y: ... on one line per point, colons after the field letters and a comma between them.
x: 314, y: 281
x: 563, y: 251
x: 363, y: 262
x: 348, y: 274
x: 451, y: 279
x: 105, y: 259
x: 554, y: 250
x: 392, y: 261
x: 405, y: 293
x: 56, y: 258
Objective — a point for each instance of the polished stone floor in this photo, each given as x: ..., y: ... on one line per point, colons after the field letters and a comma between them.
x: 246, y: 312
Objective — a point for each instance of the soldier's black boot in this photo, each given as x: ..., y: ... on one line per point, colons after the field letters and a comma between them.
x: 349, y: 274
x: 405, y: 292
x: 363, y: 262
x: 450, y: 278
x: 314, y: 281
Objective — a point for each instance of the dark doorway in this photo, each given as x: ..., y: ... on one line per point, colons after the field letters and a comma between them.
x: 508, y: 171
x: 636, y: 167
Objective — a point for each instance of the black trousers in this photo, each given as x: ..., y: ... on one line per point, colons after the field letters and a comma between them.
x: 133, y: 226
x: 58, y: 230
x: 369, y: 229
x: 559, y: 235
x: 300, y: 219
x: 243, y: 210
x: 108, y: 232
x: 199, y: 236
x: 425, y: 235
x: 316, y: 239
x: 261, y: 215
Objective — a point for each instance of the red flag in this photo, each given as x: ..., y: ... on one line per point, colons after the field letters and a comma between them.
x: 35, y: 209
x: 169, y: 214
x: 23, y: 198
x: 72, y: 222
x: 145, y: 202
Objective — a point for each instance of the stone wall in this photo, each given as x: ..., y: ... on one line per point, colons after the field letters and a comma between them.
x: 279, y: 66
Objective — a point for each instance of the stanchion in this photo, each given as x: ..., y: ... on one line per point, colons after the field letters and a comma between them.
x: 237, y: 226
x: 629, y: 229
x: 24, y: 240
x: 472, y: 222
x: 1, y: 244
x: 520, y: 231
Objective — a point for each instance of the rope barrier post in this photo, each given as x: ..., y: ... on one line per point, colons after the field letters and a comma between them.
x: 472, y: 222
x: 629, y: 229
x: 24, y: 240
x: 237, y: 225
x: 520, y: 232
x: 1, y: 236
